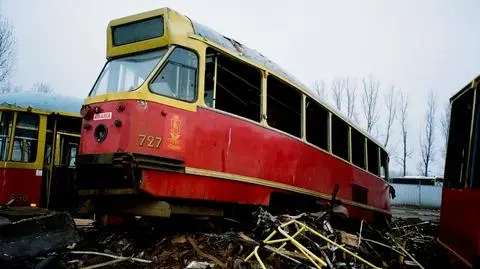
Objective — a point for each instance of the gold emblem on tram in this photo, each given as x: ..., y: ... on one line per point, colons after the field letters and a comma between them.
x: 175, y: 133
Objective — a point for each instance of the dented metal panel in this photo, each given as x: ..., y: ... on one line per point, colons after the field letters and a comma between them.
x: 251, y: 54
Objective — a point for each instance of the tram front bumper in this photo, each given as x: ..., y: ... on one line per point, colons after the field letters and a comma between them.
x: 118, y: 173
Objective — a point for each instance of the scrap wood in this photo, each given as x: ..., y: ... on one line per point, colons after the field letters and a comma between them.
x: 308, y: 254
x: 203, y: 254
x: 284, y: 253
x: 383, y: 245
x: 349, y: 239
x: 372, y: 248
x: 78, y: 252
x: 409, y: 255
x: 255, y: 252
x: 401, y: 258
x: 411, y: 225
x: 199, y: 265
x: 107, y: 263
x: 318, y: 263
x: 337, y: 245
x: 360, y: 234
x: 330, y: 264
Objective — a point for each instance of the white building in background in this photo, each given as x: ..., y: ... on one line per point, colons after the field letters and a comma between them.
x: 418, y: 191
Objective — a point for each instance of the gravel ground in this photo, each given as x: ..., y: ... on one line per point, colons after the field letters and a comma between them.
x: 424, y: 214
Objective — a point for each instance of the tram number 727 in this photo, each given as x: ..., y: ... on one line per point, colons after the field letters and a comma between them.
x: 149, y: 141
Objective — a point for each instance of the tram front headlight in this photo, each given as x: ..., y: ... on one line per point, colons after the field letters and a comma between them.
x: 100, y: 133
x: 86, y: 112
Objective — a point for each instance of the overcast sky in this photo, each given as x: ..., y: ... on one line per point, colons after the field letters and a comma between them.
x: 415, y: 45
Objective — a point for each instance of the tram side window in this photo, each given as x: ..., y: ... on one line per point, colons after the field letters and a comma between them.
x: 383, y: 165
x: 372, y: 151
x: 178, y: 78
x: 317, y: 124
x: 209, y: 78
x: 238, y: 88
x: 339, y: 137
x: 25, y: 141
x: 475, y: 148
x: 458, y: 141
x: 5, y: 129
x: 358, y: 149
x: 284, y: 107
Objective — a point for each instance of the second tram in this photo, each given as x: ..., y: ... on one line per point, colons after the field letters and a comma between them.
x: 39, y: 139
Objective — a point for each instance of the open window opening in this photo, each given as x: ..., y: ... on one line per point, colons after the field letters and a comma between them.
x: 358, y: 149
x: 25, y: 141
x: 458, y: 141
x: 284, y: 107
x: 48, y: 155
x: 339, y: 137
x: 317, y: 124
x: 384, y: 165
x: 237, y: 86
x: 372, y: 151
x: 5, y: 130
x: 209, y: 79
x: 68, y: 129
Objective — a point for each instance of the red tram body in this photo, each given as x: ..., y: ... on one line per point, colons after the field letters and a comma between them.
x: 140, y: 146
x: 459, y: 213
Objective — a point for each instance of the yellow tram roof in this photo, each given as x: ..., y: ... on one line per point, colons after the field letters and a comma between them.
x: 43, y: 103
x: 179, y: 29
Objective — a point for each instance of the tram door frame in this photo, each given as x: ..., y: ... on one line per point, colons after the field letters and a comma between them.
x: 59, y: 141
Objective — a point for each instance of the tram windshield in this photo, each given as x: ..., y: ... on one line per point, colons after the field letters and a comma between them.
x: 126, y: 73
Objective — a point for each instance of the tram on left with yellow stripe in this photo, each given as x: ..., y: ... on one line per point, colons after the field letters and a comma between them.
x: 39, y: 138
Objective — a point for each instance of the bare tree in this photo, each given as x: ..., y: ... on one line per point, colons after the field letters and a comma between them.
x: 319, y: 88
x: 42, y: 87
x: 17, y: 88
x: 337, y: 92
x: 5, y: 87
x: 345, y: 87
x: 427, y: 137
x: 391, y: 105
x: 350, y: 86
x: 7, y: 50
x: 369, y: 101
x: 445, y: 125
x: 403, y: 120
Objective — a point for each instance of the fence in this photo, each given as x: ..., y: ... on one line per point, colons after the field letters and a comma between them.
x: 417, y: 195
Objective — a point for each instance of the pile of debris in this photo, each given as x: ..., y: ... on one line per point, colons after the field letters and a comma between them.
x: 318, y: 240
x: 323, y: 241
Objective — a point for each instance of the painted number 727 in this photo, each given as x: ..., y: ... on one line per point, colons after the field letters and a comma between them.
x: 149, y: 141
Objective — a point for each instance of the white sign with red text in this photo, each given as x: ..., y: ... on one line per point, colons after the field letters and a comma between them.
x: 102, y: 116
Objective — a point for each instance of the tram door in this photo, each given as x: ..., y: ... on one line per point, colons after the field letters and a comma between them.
x: 59, y: 168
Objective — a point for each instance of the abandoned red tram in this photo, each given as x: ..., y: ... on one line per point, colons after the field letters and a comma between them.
x: 184, y: 120
x: 459, y: 212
